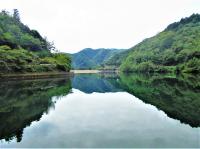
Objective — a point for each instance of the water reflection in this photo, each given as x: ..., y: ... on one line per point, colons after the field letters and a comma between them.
x: 177, y: 96
x: 23, y: 102
x: 101, y: 83
x: 103, y: 110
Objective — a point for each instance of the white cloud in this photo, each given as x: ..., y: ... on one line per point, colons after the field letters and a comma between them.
x: 77, y: 24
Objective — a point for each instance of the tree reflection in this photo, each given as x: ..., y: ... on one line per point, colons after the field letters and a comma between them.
x: 177, y: 96
x: 23, y: 102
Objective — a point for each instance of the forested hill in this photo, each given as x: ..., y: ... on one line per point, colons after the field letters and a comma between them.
x: 176, y: 49
x: 92, y: 58
x: 25, y: 50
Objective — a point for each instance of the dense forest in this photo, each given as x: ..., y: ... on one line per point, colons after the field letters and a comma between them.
x: 25, y: 50
x: 116, y: 59
x: 94, y: 58
x: 176, y: 49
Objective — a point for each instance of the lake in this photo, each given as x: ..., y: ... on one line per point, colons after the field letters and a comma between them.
x: 101, y: 110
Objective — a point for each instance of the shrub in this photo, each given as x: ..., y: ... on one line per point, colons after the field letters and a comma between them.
x: 192, y: 65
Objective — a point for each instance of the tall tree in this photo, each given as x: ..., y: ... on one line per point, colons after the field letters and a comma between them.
x: 16, y: 15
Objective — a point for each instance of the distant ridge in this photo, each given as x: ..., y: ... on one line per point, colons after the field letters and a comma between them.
x: 89, y: 58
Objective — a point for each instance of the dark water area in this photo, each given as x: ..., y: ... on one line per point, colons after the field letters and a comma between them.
x: 101, y: 110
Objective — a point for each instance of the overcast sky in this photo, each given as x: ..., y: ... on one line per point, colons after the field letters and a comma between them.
x: 77, y: 24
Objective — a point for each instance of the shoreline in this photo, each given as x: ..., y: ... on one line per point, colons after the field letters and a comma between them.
x: 92, y: 71
x: 84, y: 71
x: 28, y: 76
x: 43, y: 75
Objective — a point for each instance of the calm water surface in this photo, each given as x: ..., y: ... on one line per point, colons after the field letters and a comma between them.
x: 101, y: 110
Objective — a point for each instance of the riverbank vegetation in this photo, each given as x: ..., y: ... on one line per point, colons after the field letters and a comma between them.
x: 24, y: 50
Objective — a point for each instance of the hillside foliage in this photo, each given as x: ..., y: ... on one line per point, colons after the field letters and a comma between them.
x: 176, y: 49
x: 25, y: 50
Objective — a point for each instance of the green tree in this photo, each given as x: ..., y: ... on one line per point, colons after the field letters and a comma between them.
x: 16, y: 15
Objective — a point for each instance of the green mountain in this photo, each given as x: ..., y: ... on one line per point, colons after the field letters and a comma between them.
x: 25, y: 50
x: 176, y: 49
x: 92, y: 58
x: 116, y: 59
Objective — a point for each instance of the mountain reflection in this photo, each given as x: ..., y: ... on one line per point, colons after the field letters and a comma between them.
x: 101, y: 83
x: 177, y: 96
x: 23, y: 102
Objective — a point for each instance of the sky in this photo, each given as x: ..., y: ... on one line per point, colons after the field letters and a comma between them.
x: 77, y: 24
